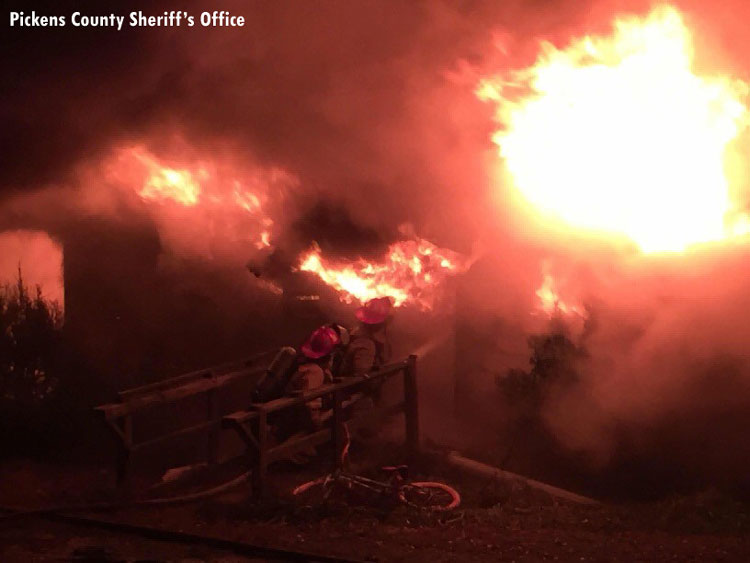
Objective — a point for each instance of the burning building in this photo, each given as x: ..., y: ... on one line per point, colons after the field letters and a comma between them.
x: 492, y: 168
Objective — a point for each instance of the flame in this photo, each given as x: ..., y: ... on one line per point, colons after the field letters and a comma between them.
x: 410, y: 272
x: 563, y: 314
x: 618, y: 135
x: 265, y: 240
x: 166, y: 183
x: 551, y: 303
x: 247, y: 200
x: 203, y: 204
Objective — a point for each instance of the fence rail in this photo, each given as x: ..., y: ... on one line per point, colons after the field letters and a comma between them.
x: 119, y: 416
x: 254, y: 428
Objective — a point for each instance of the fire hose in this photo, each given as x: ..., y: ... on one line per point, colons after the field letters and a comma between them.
x: 63, y: 513
x: 13, y: 513
x: 178, y: 536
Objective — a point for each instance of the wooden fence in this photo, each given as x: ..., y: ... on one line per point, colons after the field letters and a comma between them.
x: 119, y: 416
x: 252, y: 425
x: 342, y: 395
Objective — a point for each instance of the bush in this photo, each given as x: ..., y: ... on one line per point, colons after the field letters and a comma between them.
x: 553, y: 361
x: 554, y: 358
x: 30, y: 345
x: 30, y: 367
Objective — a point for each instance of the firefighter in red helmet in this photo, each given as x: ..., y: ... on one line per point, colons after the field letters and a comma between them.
x: 314, y: 367
x: 369, y: 347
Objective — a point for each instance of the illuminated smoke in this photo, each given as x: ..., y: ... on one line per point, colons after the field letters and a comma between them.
x: 40, y: 259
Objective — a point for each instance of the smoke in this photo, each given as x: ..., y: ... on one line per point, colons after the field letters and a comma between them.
x: 354, y: 107
x: 368, y: 111
x: 366, y: 104
x: 665, y: 337
x: 37, y: 258
x: 663, y: 389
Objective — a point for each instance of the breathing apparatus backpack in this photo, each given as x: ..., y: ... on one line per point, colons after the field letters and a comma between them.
x: 277, y: 376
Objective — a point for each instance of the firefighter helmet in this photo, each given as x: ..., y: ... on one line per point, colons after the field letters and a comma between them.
x: 320, y: 343
x: 375, y: 311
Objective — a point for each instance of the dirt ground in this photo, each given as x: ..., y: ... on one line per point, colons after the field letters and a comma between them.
x: 496, y: 522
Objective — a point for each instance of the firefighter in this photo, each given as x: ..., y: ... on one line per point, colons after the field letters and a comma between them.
x: 369, y: 347
x: 339, y: 354
x: 313, y: 370
x: 314, y: 367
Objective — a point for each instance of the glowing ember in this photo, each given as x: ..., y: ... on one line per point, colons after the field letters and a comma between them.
x: 410, y: 272
x: 618, y: 135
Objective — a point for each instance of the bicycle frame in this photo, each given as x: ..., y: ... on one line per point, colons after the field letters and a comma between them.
x: 370, y: 484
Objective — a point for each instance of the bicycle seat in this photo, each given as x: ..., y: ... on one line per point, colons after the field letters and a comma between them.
x: 402, y: 470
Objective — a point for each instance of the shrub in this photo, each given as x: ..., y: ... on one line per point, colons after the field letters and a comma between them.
x: 30, y: 371
x: 554, y: 357
x: 30, y: 345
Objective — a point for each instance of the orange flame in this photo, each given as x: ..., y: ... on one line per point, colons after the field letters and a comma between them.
x: 550, y: 301
x: 265, y: 239
x: 618, y: 135
x: 410, y: 272
x: 203, y: 198
x: 564, y: 314
x: 166, y: 183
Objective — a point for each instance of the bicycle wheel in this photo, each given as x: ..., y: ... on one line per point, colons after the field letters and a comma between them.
x: 430, y: 495
x: 331, y: 489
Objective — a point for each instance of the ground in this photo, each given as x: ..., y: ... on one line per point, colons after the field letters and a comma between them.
x: 496, y: 522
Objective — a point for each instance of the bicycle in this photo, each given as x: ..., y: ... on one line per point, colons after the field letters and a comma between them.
x: 424, y: 495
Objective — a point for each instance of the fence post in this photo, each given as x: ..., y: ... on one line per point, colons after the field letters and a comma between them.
x: 411, y: 408
x: 261, y: 465
x: 123, y: 461
x: 213, y: 432
x: 338, y: 430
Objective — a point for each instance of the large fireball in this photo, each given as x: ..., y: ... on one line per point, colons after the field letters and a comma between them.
x: 619, y: 135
